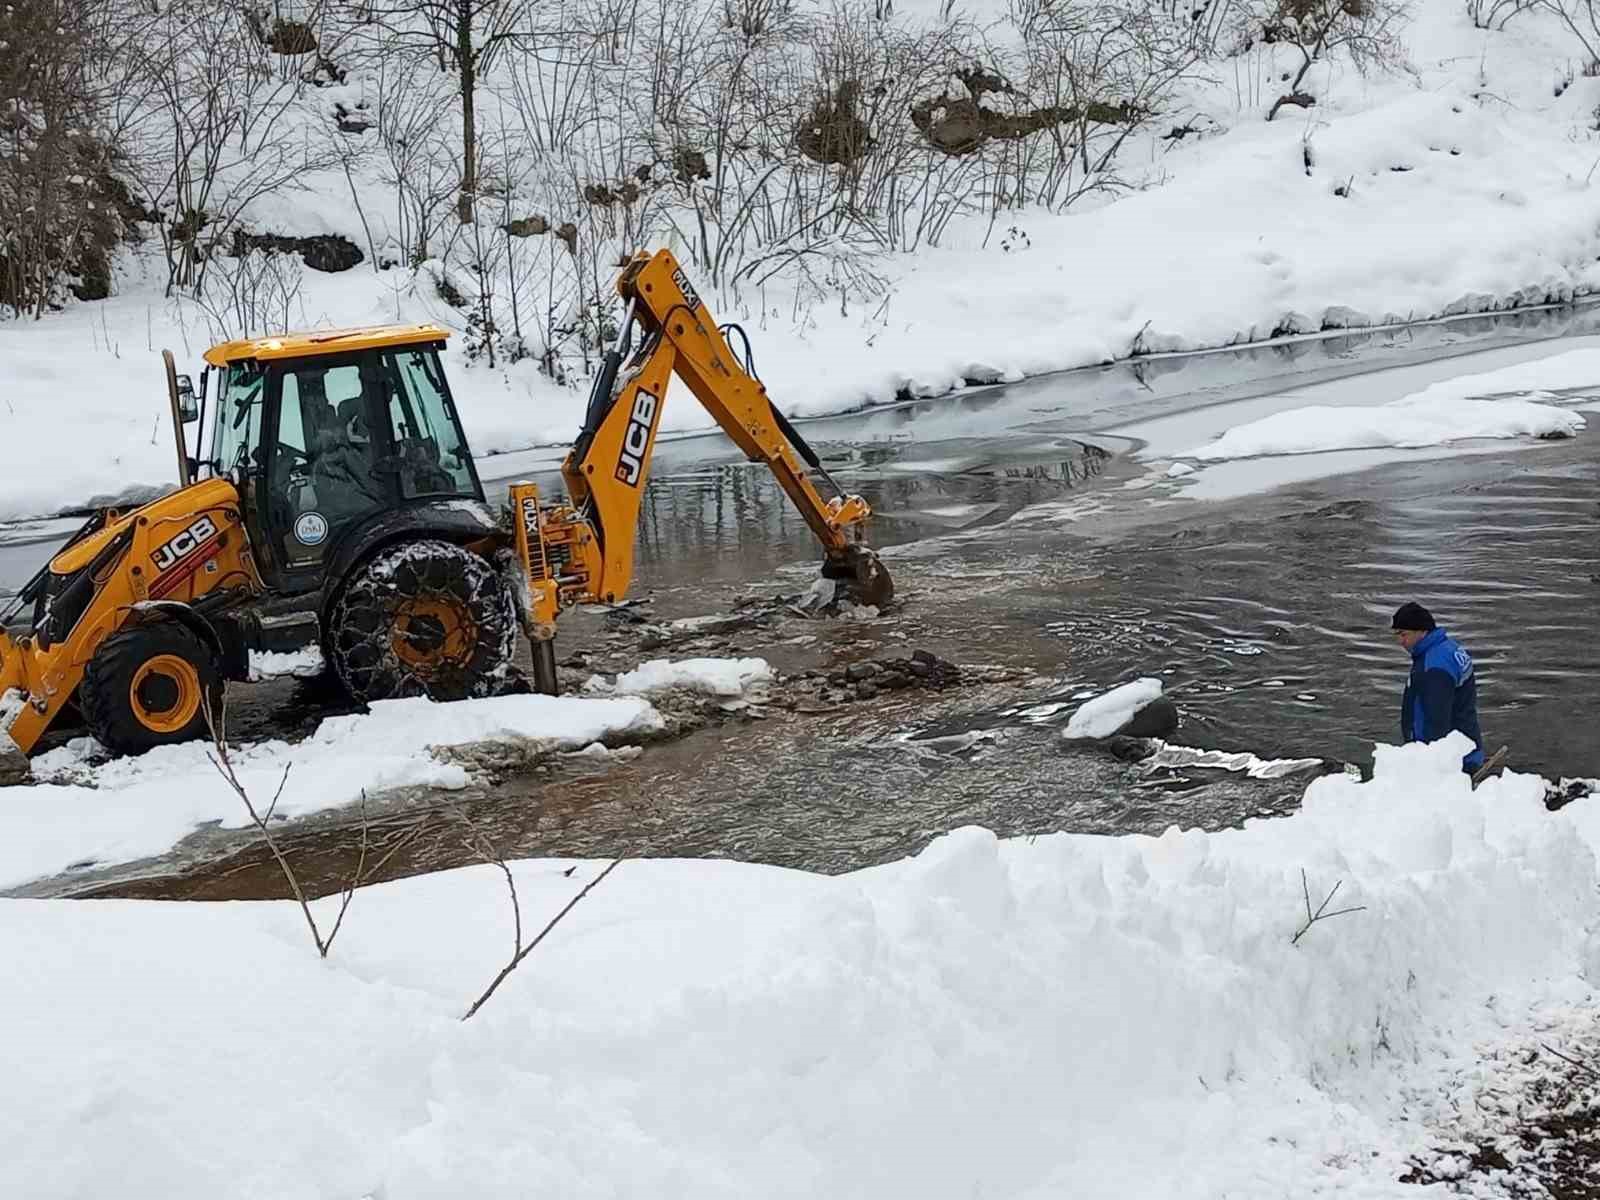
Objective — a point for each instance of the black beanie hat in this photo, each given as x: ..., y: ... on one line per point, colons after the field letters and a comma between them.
x: 1413, y: 616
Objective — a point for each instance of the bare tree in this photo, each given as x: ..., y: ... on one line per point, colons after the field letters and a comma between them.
x: 464, y: 37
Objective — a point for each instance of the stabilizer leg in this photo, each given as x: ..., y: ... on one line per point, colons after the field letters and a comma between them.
x: 544, y: 666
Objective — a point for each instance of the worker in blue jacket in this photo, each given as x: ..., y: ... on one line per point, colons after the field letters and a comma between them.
x: 1442, y: 693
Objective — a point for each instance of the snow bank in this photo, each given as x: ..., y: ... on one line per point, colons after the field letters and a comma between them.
x: 713, y: 676
x: 1424, y: 420
x: 131, y: 808
x: 1104, y: 715
x: 1067, y: 1015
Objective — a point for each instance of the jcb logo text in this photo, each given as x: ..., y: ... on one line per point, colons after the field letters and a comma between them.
x: 636, y: 442
x: 185, y: 544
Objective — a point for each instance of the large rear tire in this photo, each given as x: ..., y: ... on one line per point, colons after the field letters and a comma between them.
x: 425, y: 618
x: 149, y: 686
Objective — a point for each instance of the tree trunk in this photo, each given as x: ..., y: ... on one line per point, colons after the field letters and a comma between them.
x: 467, y: 65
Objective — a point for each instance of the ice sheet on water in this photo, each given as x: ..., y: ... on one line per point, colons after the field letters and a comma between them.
x: 1414, y: 421
x: 1243, y: 761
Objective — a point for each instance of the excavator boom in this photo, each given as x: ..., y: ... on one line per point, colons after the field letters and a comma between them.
x: 582, y: 552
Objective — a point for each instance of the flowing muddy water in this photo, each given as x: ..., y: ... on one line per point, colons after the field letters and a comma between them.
x: 1267, y: 620
x: 1013, y: 541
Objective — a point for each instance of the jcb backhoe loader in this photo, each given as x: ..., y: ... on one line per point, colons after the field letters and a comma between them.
x: 338, y: 501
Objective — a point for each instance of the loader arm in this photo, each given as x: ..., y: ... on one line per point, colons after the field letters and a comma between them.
x: 584, y: 551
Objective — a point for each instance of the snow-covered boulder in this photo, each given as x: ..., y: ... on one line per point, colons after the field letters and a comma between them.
x: 1137, y: 709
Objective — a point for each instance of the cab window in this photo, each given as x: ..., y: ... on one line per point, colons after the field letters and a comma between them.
x: 237, y: 432
x: 326, y: 468
x: 429, y: 446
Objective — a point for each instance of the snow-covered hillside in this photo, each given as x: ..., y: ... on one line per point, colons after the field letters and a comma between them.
x: 1080, y: 1016
x: 1459, y: 179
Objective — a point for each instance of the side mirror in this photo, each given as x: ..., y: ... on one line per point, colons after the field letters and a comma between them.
x: 188, y: 403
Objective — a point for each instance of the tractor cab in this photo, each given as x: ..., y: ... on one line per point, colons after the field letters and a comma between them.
x: 324, y: 432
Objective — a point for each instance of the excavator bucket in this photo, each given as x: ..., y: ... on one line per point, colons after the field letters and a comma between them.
x: 866, y: 579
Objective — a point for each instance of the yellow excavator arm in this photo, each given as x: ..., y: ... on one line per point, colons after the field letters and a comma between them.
x: 582, y: 551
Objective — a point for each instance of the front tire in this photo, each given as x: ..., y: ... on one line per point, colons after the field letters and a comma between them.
x: 424, y: 618
x: 149, y: 686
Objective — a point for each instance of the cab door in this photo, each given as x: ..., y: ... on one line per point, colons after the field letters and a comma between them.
x: 327, y: 468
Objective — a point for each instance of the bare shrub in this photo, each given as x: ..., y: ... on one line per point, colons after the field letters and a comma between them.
x: 419, y: 163
x: 1367, y: 31
x: 725, y: 104
x: 1096, y: 72
x: 224, y: 118
x: 877, y: 174
x: 1581, y: 20
x: 478, y: 843
x: 71, y: 103
x: 1211, y: 24
x: 1320, y: 913
x: 252, y: 295
x: 298, y: 33
x: 1494, y: 14
x: 552, y: 88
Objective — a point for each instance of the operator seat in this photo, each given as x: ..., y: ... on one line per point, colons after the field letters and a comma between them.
x: 341, y: 460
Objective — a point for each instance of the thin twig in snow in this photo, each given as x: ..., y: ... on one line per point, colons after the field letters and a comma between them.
x: 217, y: 722
x: 543, y: 933
x: 1321, y: 914
x: 1584, y: 1068
x: 480, y: 845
